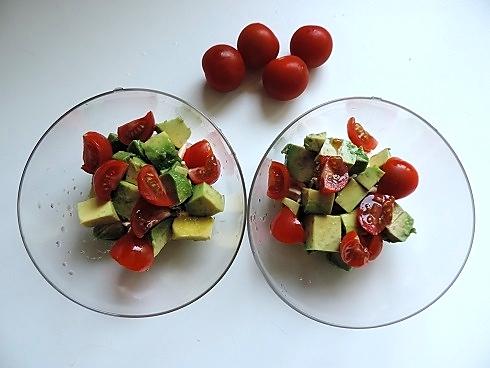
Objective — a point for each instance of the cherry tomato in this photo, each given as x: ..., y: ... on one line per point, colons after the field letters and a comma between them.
x: 197, y: 154
x: 375, y: 212
x: 152, y: 189
x: 313, y: 44
x: 286, y: 227
x: 133, y: 253
x: 96, y: 150
x: 107, y: 178
x: 141, y: 129
x: 334, y: 174
x: 145, y: 215
x: 223, y: 67
x: 279, y: 181
x: 208, y: 173
x: 400, y: 178
x: 359, y: 136
x: 352, y: 251
x: 373, y: 243
x: 285, y: 78
x: 258, y: 45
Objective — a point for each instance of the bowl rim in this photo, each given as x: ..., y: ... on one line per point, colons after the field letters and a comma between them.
x: 90, y: 99
x: 249, y: 207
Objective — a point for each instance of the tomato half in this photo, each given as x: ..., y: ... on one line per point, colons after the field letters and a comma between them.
x: 208, y: 173
x: 152, y: 189
x: 352, y: 251
x: 258, y: 45
x: 375, y: 212
x: 359, y: 136
x: 400, y: 178
x: 133, y: 253
x: 223, y: 67
x: 197, y: 154
x: 334, y: 174
x: 286, y: 228
x: 96, y: 150
x: 374, y: 245
x: 141, y: 128
x: 107, y: 178
x: 279, y: 181
x: 285, y: 78
x: 145, y: 215
x: 313, y: 44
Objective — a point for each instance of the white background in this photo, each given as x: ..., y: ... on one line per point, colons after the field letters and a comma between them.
x: 431, y: 56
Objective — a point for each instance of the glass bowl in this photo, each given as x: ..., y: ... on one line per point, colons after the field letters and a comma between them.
x: 73, y: 261
x: 407, y: 277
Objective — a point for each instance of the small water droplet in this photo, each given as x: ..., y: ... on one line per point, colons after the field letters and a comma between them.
x: 72, y: 179
x: 69, y: 251
x: 68, y: 208
x: 74, y: 187
x: 64, y: 264
x: 71, y: 214
x: 67, y: 192
x: 62, y: 229
x: 300, y: 279
x: 63, y: 215
x: 82, y: 251
x: 51, y: 205
x: 81, y: 193
x: 70, y: 273
x: 38, y: 205
x: 58, y: 244
x: 259, y: 200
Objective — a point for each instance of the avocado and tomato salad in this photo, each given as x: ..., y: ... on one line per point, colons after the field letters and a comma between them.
x: 340, y: 199
x: 149, y: 186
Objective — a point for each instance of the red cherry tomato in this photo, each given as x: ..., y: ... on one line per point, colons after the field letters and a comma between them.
x: 258, y: 45
x: 223, y: 67
x: 279, y: 181
x: 334, y: 174
x: 359, y: 136
x: 285, y: 78
x: 141, y: 128
x: 197, y: 154
x: 96, y: 150
x: 374, y: 245
x: 313, y: 44
x: 107, y: 178
x: 400, y: 178
x: 375, y: 212
x: 145, y: 215
x: 352, y: 251
x: 286, y: 227
x: 152, y: 189
x: 133, y: 253
x: 208, y: 173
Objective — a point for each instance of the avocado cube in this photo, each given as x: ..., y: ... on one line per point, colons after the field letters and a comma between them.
x: 292, y: 205
x: 300, y: 162
x: 349, y: 197
x: 160, y: 235
x: 380, y: 158
x: 336, y: 259
x: 176, y: 129
x: 205, y: 201
x: 109, y: 231
x: 192, y: 228
x: 361, y: 162
x: 124, y: 198
x: 92, y: 212
x: 401, y: 226
x: 179, y: 186
x: 123, y: 156
x: 342, y: 148
x: 160, y: 150
x: 349, y: 222
x: 315, y: 202
x: 178, y: 167
x: 370, y: 177
x: 323, y: 233
x: 134, y: 167
x: 136, y: 147
x: 314, y: 142
x: 116, y: 144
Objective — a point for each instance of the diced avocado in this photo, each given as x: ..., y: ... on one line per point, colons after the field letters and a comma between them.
x: 401, y: 226
x: 205, y: 201
x: 176, y: 129
x: 182, y: 170
x: 340, y: 147
x: 361, y: 162
x: 352, y: 194
x: 323, y: 233
x: 300, y: 162
x: 349, y: 222
x: 380, y: 158
x: 192, y: 228
x: 314, y: 142
x: 136, y: 147
x: 116, y: 144
x: 135, y: 165
x: 123, y: 156
x: 124, y: 198
x: 160, y: 150
x: 177, y: 166
x: 109, y: 231
x: 92, y: 213
x: 315, y: 202
x: 336, y: 259
x: 160, y: 235
x: 179, y: 186
x: 292, y: 205
x: 370, y: 177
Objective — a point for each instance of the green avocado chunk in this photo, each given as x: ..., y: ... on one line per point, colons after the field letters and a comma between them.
x: 300, y: 162
x: 401, y: 226
x: 349, y: 222
x: 116, y: 144
x: 109, y: 231
x: 315, y: 202
x: 92, y: 213
x: 361, y: 160
x: 349, y: 197
x: 292, y: 205
x: 124, y: 198
x: 192, y: 228
x: 160, y: 150
x: 205, y: 201
x: 342, y: 148
x: 370, y: 177
x: 136, y: 147
x: 180, y: 187
x: 314, y: 142
x: 176, y: 129
x: 123, y: 156
x: 336, y: 259
x: 380, y: 158
x: 160, y: 235
x: 135, y: 165
x: 323, y: 233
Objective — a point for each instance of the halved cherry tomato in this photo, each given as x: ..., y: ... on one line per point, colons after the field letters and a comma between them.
x: 145, y: 215
x: 258, y: 45
x: 107, y: 178
x: 96, y: 150
x: 208, y: 173
x: 197, y: 154
x: 152, y: 189
x: 400, y: 178
x: 359, y: 136
x: 373, y: 243
x: 141, y: 128
x: 352, y: 251
x: 334, y: 174
x: 286, y: 227
x: 279, y: 181
x: 313, y: 44
x: 133, y: 253
x: 375, y: 212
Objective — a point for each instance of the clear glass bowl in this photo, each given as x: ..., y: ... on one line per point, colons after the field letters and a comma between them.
x: 73, y: 261
x: 407, y: 277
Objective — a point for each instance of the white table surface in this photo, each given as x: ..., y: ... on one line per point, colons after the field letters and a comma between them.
x: 431, y: 56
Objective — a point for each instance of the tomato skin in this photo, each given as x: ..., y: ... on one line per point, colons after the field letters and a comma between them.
x: 313, y: 44
x: 352, y: 251
x: 107, y: 178
x: 197, y: 154
x: 152, y: 189
x: 133, y: 253
x: 374, y: 245
x: 375, y: 212
x: 400, y: 178
x: 279, y: 181
x: 209, y: 173
x: 258, y: 45
x: 96, y: 150
x: 223, y: 68
x: 286, y: 228
x: 360, y: 136
x: 285, y: 78
x: 145, y: 215
x: 334, y: 174
x: 141, y: 128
